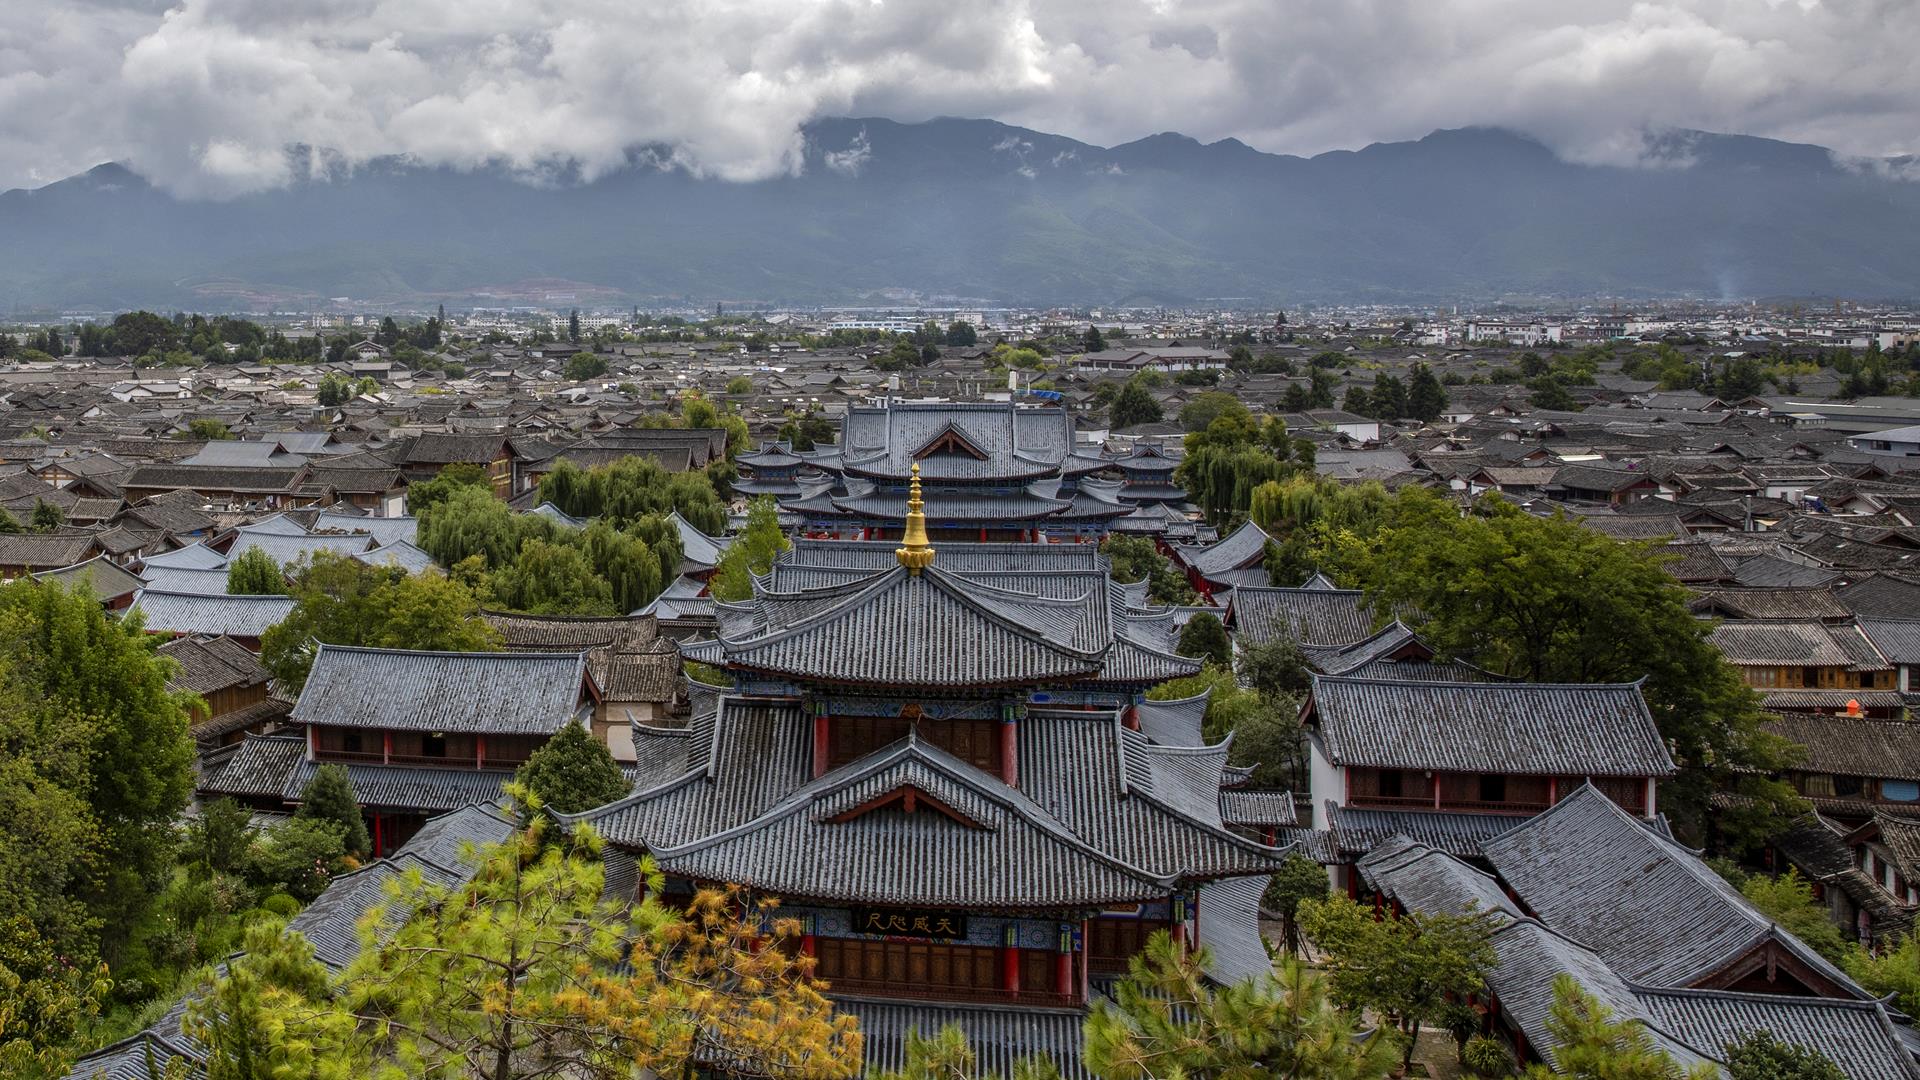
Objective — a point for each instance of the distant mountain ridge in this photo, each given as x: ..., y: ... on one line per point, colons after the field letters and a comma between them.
x: 976, y: 208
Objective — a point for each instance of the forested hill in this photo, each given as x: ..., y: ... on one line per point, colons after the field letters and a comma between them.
x: 974, y: 208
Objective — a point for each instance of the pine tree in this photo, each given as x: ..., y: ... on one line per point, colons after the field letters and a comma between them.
x: 1426, y: 398
x: 573, y: 772
x: 1093, y: 340
x: 1133, y: 405
x: 46, y: 516
x: 573, y: 325
x: 530, y: 965
x: 1357, y: 401
x: 255, y: 573
x: 1592, y: 1045
x: 329, y: 796
x: 1168, y: 1019
x: 1759, y: 1055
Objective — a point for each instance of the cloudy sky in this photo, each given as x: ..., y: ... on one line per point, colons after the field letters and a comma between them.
x: 203, y: 95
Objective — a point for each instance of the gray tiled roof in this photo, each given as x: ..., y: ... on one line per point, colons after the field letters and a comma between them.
x: 195, y: 556
x: 200, y: 613
x: 1175, y: 721
x: 1001, y: 1036
x: 1535, y: 728
x: 398, y: 553
x: 1426, y: 879
x: 930, y: 629
x: 1896, y: 639
x: 1852, y: 745
x: 1858, y: 1036
x: 423, y: 788
x: 527, y: 693
x: 1326, y: 617
x: 177, y: 579
x: 1356, y: 830
x: 1531, y: 957
x: 1241, y: 548
x: 1009, y: 853
x: 1018, y: 442
x: 1656, y: 913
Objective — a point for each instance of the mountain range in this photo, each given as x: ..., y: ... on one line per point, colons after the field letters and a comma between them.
x: 886, y: 212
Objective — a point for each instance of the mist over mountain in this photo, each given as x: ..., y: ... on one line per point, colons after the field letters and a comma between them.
x: 974, y: 208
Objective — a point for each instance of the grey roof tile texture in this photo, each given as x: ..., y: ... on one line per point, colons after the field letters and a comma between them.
x: 1515, y: 728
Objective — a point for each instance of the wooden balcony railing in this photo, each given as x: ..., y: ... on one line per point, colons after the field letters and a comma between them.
x: 881, y: 988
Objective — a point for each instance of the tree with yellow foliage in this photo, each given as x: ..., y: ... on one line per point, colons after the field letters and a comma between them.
x: 531, y: 971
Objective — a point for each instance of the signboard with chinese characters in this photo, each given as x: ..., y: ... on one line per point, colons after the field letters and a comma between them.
x: 910, y: 922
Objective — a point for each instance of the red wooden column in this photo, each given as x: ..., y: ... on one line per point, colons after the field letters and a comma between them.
x: 377, y: 849
x: 386, y: 747
x: 479, y: 751
x: 1010, y: 752
x: 822, y: 728
x: 1063, y: 965
x: 1010, y: 960
x: 1086, y: 967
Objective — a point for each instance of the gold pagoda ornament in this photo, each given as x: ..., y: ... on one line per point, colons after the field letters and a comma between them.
x: 915, y: 552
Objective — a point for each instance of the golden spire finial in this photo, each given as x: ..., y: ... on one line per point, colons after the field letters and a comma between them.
x: 917, y: 552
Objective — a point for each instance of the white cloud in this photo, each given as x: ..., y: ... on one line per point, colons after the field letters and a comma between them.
x: 204, y: 95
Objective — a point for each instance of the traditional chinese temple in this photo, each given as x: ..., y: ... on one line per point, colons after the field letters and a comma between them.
x: 944, y: 763
x: 993, y: 472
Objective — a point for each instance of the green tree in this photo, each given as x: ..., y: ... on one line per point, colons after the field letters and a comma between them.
x: 1591, y: 1045
x: 573, y: 772
x: 335, y: 389
x: 91, y: 686
x: 339, y: 600
x: 530, y: 965
x: 1893, y: 970
x: 1357, y: 401
x: 1299, y: 880
x: 1167, y: 1019
x: 1203, y: 638
x: 208, y: 428
x: 1133, y: 405
x: 1759, y: 1055
x: 329, y: 796
x: 46, y: 1001
x: 427, y: 494
x: 1405, y: 968
x: 243, y: 1018
x: 1426, y: 398
x: 217, y: 838
x: 1135, y: 558
x: 1389, y: 398
x: 1204, y: 409
x: 470, y: 521
x: 551, y: 579
x: 46, y: 516
x: 8, y: 523
x: 582, y: 366
x: 573, y: 325
x: 298, y: 856
x: 255, y: 573
x: 739, y: 384
x: 1549, y: 392
x: 752, y: 552
x: 1276, y: 668
x: 1092, y: 340
x: 633, y: 488
x: 1788, y: 900
x: 961, y: 335
x: 1546, y: 600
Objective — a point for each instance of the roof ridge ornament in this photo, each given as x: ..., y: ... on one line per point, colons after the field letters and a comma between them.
x: 916, y: 552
